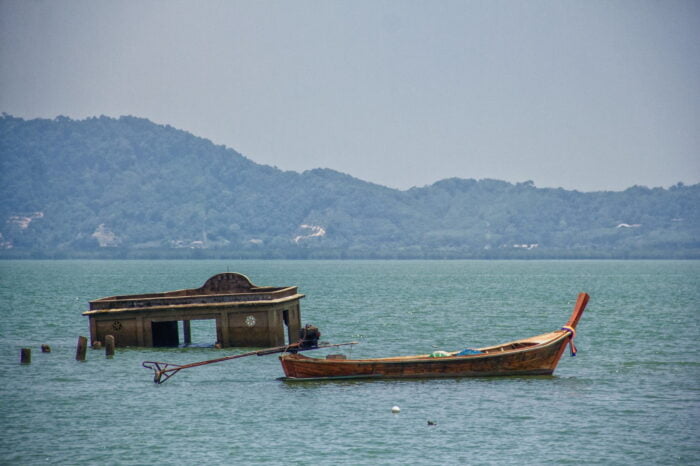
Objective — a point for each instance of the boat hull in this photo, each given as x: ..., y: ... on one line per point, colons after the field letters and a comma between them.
x: 538, y: 359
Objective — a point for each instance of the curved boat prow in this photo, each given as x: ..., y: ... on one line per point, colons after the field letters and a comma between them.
x: 578, y: 310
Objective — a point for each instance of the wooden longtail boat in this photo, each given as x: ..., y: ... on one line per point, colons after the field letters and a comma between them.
x: 538, y: 355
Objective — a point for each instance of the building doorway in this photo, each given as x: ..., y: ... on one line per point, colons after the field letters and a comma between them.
x: 199, y: 333
x: 165, y: 334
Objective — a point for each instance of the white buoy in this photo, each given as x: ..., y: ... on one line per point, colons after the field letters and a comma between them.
x: 395, y: 409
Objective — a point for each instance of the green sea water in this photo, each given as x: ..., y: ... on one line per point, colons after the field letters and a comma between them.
x: 630, y: 396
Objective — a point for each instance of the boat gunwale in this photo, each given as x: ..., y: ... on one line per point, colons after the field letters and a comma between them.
x: 425, y: 358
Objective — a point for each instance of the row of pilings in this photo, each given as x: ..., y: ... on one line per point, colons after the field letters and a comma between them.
x: 80, y: 350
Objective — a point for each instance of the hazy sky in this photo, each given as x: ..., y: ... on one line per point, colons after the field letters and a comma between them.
x: 586, y: 95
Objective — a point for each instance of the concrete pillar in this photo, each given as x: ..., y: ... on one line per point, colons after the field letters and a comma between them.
x: 187, y: 331
x: 222, y: 330
x: 93, y: 330
x: 294, y: 323
x: 109, y: 346
x: 275, y: 327
x: 140, y: 337
x: 81, y: 349
x: 147, y: 333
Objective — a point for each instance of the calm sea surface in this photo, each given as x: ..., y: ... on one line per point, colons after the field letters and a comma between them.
x: 631, y: 396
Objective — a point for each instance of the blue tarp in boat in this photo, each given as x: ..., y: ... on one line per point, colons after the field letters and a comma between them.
x: 468, y: 351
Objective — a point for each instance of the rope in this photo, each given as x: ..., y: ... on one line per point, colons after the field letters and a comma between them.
x: 572, y: 346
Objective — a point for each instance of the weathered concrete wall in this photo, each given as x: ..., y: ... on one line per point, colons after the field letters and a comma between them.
x: 251, y: 328
x: 125, y: 331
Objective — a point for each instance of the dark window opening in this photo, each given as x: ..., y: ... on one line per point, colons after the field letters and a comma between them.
x: 165, y: 333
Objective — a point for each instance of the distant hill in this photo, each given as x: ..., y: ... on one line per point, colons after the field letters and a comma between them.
x: 105, y: 187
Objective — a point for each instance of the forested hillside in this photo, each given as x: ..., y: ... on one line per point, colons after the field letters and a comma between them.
x: 127, y: 187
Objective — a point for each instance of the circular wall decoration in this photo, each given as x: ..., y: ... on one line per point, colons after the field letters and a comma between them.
x: 116, y: 325
x: 250, y: 321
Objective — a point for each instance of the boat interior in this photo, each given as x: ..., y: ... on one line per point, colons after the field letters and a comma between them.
x: 511, y: 346
x: 524, y: 343
x: 505, y: 347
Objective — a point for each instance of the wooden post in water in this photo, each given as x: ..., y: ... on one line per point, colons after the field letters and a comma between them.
x: 81, y: 349
x: 109, y: 346
x: 25, y: 356
x: 187, y: 331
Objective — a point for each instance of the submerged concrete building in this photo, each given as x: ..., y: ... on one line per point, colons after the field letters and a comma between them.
x: 245, y: 314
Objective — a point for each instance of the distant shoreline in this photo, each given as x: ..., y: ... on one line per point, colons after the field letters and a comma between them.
x: 204, y: 254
